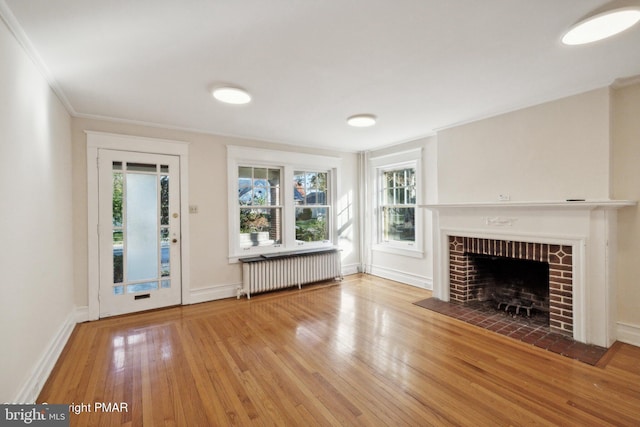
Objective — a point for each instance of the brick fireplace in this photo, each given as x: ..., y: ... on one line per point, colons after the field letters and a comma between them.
x: 576, y: 239
x: 466, y: 284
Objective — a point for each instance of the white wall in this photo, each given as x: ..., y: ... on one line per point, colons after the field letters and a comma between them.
x: 552, y: 151
x: 626, y: 185
x: 36, y: 255
x: 211, y: 275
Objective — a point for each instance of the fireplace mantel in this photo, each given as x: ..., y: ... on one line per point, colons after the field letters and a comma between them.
x: 557, y: 204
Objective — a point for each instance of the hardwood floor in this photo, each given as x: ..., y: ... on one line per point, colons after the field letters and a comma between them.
x: 352, y: 353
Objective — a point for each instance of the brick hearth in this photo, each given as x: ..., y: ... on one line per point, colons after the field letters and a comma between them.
x: 464, y: 277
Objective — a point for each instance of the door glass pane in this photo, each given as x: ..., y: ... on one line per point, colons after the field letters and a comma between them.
x: 141, y: 287
x: 165, y: 251
x: 165, y: 284
x: 118, y: 290
x: 117, y: 199
x: 142, y: 227
x: 142, y: 167
x: 118, y: 267
x: 164, y: 200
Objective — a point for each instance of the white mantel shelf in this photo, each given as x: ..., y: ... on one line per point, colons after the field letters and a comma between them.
x: 559, y: 204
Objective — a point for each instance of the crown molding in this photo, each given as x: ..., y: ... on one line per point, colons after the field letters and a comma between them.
x: 7, y: 16
x: 625, y: 81
x: 552, y: 204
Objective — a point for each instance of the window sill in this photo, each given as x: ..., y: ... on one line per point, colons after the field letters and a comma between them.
x: 274, y: 252
x: 397, y: 250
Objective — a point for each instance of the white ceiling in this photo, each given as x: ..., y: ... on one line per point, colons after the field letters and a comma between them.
x: 419, y: 65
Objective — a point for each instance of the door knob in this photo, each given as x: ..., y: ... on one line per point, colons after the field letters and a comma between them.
x: 174, y: 241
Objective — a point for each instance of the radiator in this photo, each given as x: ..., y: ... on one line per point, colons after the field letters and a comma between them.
x: 262, y: 274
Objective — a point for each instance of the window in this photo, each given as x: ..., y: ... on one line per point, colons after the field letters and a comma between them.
x: 310, y: 191
x: 398, y: 207
x: 260, y: 207
x: 268, y: 217
x: 397, y: 219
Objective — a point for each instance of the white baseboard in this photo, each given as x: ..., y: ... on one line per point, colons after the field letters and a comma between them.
x: 402, y: 277
x: 82, y: 314
x: 29, y: 391
x: 629, y: 334
x: 350, y: 269
x: 214, y: 292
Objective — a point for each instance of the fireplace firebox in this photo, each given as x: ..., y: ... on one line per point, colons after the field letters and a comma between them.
x: 519, y: 285
x: 523, y: 275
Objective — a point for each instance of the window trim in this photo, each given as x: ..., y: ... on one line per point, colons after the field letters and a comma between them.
x: 379, y: 165
x: 288, y: 162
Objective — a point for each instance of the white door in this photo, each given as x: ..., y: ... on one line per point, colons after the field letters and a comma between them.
x: 139, y: 231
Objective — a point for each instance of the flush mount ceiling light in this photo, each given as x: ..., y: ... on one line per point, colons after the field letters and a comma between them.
x: 231, y: 95
x: 602, y: 25
x: 362, y: 120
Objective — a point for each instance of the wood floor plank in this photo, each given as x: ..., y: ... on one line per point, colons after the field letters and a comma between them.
x: 355, y: 353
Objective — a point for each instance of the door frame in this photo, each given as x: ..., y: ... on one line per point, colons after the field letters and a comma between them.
x: 111, y: 141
